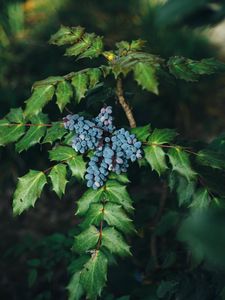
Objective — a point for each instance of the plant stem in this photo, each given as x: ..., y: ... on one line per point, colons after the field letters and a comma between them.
x: 124, y: 104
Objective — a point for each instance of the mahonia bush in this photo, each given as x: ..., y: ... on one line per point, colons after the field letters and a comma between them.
x: 94, y: 150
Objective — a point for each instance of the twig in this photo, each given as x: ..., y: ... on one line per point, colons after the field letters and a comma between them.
x: 124, y: 104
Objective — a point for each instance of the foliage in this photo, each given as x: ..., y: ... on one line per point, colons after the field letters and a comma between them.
x: 107, y: 212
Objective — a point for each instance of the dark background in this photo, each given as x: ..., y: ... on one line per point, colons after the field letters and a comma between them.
x: 35, y: 247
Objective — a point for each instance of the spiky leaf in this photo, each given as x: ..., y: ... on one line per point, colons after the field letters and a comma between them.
x: 114, y: 242
x: 10, y: 132
x: 93, y: 275
x: 115, y: 216
x: 180, y: 162
x: 201, y: 199
x: 75, y: 288
x: 80, y: 83
x: 89, y: 197
x: 58, y: 179
x: 117, y: 193
x: 66, y: 35
x: 34, y: 134
x: 64, y: 93
x: 212, y: 159
x: 156, y: 158
x: 39, y: 98
x: 162, y: 136
x: 28, y: 190
x: 145, y: 75
x: 86, y: 240
x: 54, y: 133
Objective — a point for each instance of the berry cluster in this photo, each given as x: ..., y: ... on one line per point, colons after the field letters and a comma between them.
x: 113, y: 148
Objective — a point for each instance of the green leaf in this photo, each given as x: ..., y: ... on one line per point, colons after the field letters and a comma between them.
x: 74, y: 161
x: 39, y: 98
x: 89, y: 197
x: 95, y: 49
x: 117, y: 193
x: 211, y: 159
x: 137, y: 45
x: 77, y: 166
x: 81, y: 46
x: 54, y: 133
x: 112, y: 213
x: 201, y: 199
x: 115, y: 216
x: 66, y: 35
x: 180, y: 162
x: 190, y: 70
x: 86, y: 240
x: 94, y: 76
x: 75, y: 288
x: 10, y: 133
x: 52, y: 80
x: 15, y: 115
x: 145, y: 75
x: 80, y: 83
x: 28, y: 190
x: 93, y: 275
x: 156, y: 158
x: 114, y: 242
x: 58, y: 179
x: 162, y: 136
x: 142, y: 133
x: 64, y: 92
x: 34, y: 133
x: 60, y: 153
x: 94, y: 215
x: 185, y: 189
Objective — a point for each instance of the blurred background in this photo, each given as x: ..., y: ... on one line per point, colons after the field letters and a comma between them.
x: 35, y: 247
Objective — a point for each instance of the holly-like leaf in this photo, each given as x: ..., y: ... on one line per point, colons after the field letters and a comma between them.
x: 190, y: 70
x: 34, y: 133
x: 58, y: 179
x: 64, y: 93
x: 61, y: 153
x: 94, y: 76
x: 114, y: 242
x: 115, y: 216
x: 180, y: 163
x: 75, y: 288
x: 66, y: 35
x: 117, y: 193
x: 145, y: 75
x: 80, y: 83
x: 15, y: 115
x: 93, y: 275
x: 89, y: 197
x: 142, y: 133
x: 201, y: 199
x: 185, y: 189
x: 77, y: 166
x: 86, y: 240
x: 82, y: 45
x: 28, y: 190
x: 54, y: 133
x: 156, y: 158
x: 94, y: 50
x: 10, y: 133
x: 40, y: 97
x: 162, y: 136
x: 212, y: 159
x: 75, y: 162
x: 94, y: 215
x: 52, y: 80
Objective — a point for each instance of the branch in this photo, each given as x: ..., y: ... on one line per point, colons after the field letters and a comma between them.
x: 124, y: 104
